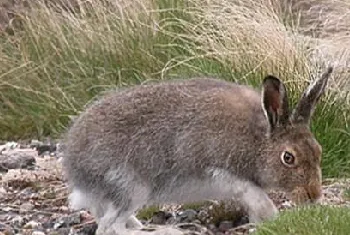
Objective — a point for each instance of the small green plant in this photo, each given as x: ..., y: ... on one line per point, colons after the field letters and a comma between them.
x: 309, y: 220
x: 226, y: 210
x: 346, y: 194
x: 147, y: 212
x: 195, y: 205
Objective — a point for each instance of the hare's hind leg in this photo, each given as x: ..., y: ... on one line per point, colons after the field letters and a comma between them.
x: 119, y: 218
x: 113, y: 222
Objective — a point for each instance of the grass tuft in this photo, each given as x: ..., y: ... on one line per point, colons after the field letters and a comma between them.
x: 315, y: 220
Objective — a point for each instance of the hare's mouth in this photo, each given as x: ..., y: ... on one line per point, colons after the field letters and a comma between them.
x: 309, y: 194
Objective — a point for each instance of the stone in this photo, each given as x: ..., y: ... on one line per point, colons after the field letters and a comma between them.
x: 32, y: 225
x: 38, y: 233
x: 3, y: 193
x: 87, y: 229
x: 43, y: 148
x: 159, y: 217
x: 17, y: 159
x: 67, y: 221
x: 203, y: 216
x: 187, y: 216
x: 17, y: 221
x: 225, y: 225
x: 26, y: 207
x: 8, y: 146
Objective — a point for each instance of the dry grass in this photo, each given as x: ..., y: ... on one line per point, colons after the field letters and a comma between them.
x: 54, y: 61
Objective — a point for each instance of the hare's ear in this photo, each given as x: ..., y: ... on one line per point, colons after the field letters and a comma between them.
x: 275, y: 102
x: 307, y: 103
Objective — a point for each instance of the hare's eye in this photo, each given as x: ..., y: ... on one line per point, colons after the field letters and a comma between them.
x: 288, y: 158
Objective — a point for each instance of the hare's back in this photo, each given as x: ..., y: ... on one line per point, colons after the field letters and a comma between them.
x: 172, y: 103
x: 142, y: 122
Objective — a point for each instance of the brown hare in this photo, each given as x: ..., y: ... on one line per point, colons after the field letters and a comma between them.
x: 189, y: 140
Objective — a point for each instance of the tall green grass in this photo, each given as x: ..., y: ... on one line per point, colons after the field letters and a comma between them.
x: 54, y: 62
x: 315, y: 220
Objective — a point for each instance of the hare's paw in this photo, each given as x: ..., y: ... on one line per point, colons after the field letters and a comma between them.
x: 262, y: 211
x: 134, y: 223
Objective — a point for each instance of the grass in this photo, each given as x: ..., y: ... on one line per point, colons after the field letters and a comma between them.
x: 147, y: 212
x: 52, y: 64
x: 346, y: 194
x: 315, y: 220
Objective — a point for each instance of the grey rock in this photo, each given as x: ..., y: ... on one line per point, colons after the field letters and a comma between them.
x: 17, y: 159
x: 35, y: 143
x: 32, y: 225
x: 88, y: 229
x: 48, y: 224
x: 187, y: 216
x: 38, y: 233
x: 225, y: 225
x: 160, y: 217
x: 212, y: 227
x: 26, y: 207
x: 29, y: 191
x: 67, y: 221
x: 165, y: 231
x: 43, y: 148
x: 3, y: 193
x: 8, y: 146
x: 17, y: 221
x: 6, y: 229
x: 203, y: 216
x: 61, y: 231
x: 243, y: 220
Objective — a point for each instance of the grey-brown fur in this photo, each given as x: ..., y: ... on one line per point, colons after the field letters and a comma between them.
x: 184, y: 140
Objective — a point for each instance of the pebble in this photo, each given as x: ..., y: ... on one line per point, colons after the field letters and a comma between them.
x: 68, y: 221
x: 187, y: 216
x: 88, y: 229
x: 3, y: 193
x: 17, y: 221
x: 203, y: 216
x: 17, y: 159
x: 225, y: 225
x: 62, y: 231
x: 43, y: 148
x: 26, y: 207
x: 31, y: 225
x: 8, y: 231
x: 38, y: 233
x: 241, y: 221
x: 85, y: 216
x: 160, y: 217
x: 8, y: 146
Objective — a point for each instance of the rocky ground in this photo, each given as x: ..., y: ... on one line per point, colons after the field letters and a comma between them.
x: 33, y: 200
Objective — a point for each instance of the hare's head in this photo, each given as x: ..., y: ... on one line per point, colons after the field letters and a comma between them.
x: 292, y: 156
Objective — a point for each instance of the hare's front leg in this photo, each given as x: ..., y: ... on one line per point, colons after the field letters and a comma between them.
x: 253, y: 198
x: 259, y: 206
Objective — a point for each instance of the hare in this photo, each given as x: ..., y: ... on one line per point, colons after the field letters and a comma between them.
x: 188, y: 140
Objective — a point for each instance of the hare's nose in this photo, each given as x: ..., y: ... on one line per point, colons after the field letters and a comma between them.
x: 314, y: 193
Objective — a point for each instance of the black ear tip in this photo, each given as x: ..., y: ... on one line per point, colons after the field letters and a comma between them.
x: 327, y: 73
x: 271, y: 79
x: 330, y: 69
